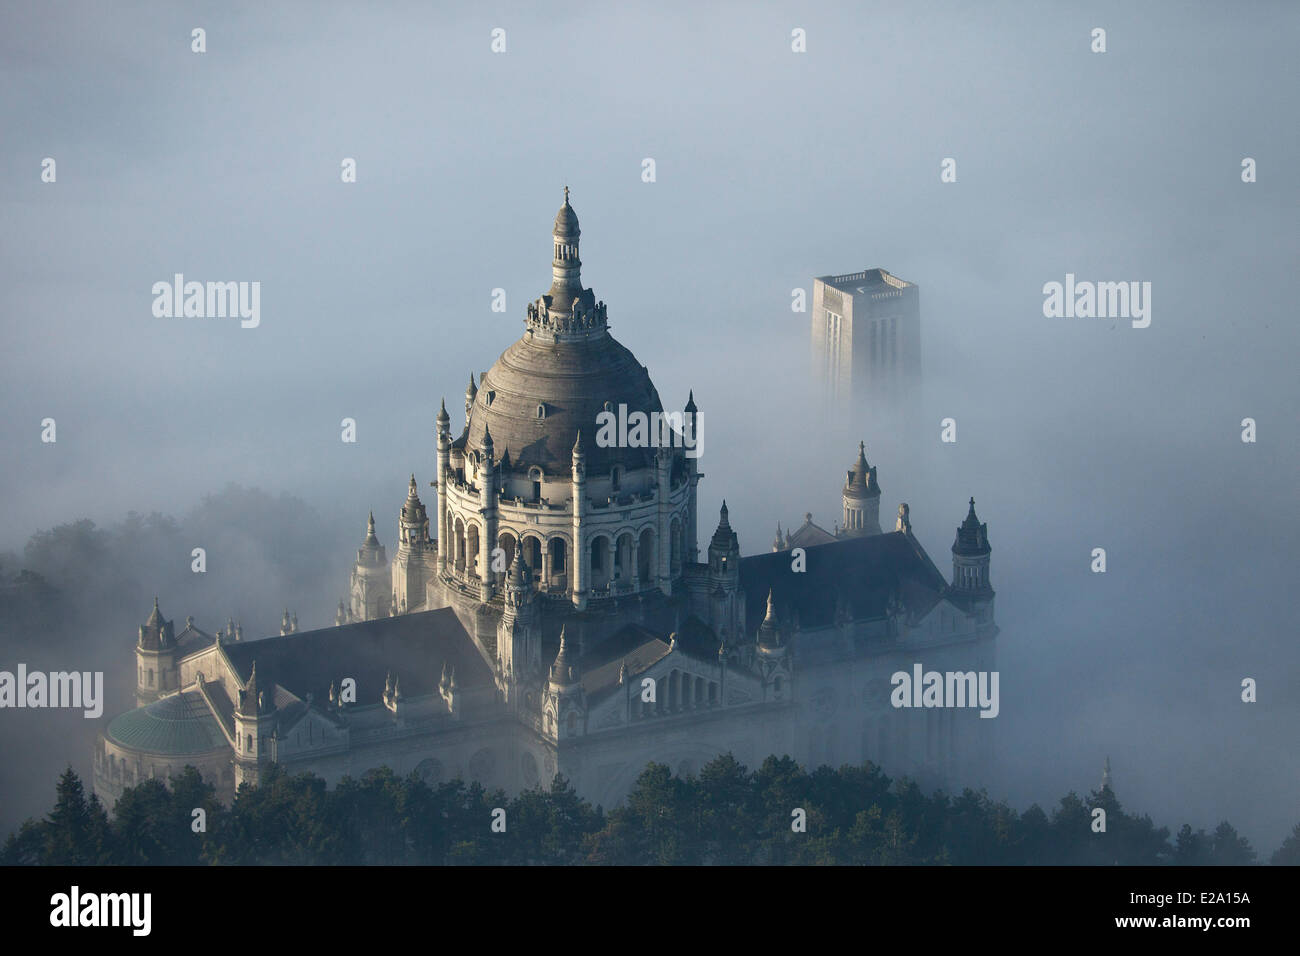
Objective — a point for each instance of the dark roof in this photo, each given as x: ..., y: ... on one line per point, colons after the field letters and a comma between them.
x: 572, y: 381
x: 412, y: 647
x: 972, y: 536
x: 862, y: 572
x: 221, y: 704
x: 635, y: 644
x: 192, y: 639
x: 809, y: 534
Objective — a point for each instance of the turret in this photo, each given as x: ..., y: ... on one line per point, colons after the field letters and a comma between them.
x: 861, y: 498
x: 409, y: 566
x: 970, y: 556
x: 470, y: 394
x: 566, y: 266
x: 566, y: 703
x: 769, y: 632
x: 254, y: 720
x: 519, y: 657
x: 156, y: 658
x: 691, y: 423
x: 487, y: 488
x: 578, y: 558
x: 726, y: 606
x: 773, y: 656
x: 724, y: 550
x: 442, y: 428
x: 371, y: 583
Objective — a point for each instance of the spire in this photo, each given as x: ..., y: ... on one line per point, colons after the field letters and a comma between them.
x: 690, y: 403
x: 251, y: 699
x: 861, y: 480
x: 565, y: 670
x: 372, y: 540
x: 1105, y: 776
x: 518, y: 575
x: 577, y: 445
x: 485, y: 445
x: 156, y: 632
x: 411, y: 491
x: 972, y: 536
x: 778, y: 541
x: 769, y: 632
x: 724, y: 538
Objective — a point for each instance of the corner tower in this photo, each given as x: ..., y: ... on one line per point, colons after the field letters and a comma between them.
x: 970, y: 565
x: 155, y: 659
x: 371, y: 586
x: 861, y: 498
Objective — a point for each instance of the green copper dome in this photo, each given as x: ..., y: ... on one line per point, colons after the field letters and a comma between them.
x: 179, y: 724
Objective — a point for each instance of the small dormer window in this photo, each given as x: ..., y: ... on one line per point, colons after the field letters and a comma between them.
x: 541, y: 411
x: 490, y: 396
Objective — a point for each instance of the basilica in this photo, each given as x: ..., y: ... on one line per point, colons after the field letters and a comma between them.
x: 554, y: 614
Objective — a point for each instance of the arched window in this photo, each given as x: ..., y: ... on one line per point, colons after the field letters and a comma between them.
x: 151, y: 677
x: 541, y: 411
x: 616, y: 478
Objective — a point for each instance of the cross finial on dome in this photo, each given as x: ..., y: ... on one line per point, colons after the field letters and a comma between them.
x: 566, y: 195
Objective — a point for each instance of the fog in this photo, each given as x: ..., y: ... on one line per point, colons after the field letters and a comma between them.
x: 771, y: 168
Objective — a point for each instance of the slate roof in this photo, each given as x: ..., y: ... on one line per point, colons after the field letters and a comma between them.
x: 809, y: 534
x: 192, y: 639
x: 412, y: 647
x: 863, y: 572
x: 641, y: 647
x: 635, y: 644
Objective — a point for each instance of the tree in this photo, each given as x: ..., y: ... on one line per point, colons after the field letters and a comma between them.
x: 77, y: 830
x: 1230, y: 848
x: 1288, y: 854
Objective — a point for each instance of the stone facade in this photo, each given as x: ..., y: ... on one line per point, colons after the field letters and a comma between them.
x: 556, y: 615
x: 866, y: 337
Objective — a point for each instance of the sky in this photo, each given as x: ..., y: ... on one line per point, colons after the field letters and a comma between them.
x: 771, y: 167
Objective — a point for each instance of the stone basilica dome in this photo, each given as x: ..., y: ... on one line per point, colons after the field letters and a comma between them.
x: 559, y: 376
